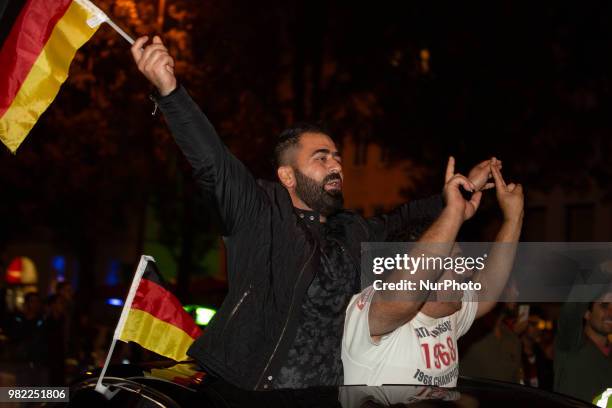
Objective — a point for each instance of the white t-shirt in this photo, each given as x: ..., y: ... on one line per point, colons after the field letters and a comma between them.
x: 422, y: 351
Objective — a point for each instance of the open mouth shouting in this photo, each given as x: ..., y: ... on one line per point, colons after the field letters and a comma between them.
x: 335, y: 184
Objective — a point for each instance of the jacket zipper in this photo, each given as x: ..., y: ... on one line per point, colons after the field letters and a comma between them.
x: 235, y: 309
x: 288, y: 317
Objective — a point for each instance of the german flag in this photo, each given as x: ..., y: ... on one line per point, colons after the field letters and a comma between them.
x: 154, y: 318
x: 38, y: 40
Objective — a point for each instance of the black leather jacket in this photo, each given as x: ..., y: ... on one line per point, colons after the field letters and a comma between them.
x: 271, y: 256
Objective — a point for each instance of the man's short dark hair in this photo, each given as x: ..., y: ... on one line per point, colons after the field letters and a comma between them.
x: 290, y: 137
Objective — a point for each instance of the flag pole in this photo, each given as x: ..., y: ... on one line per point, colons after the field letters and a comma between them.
x: 101, y: 388
x: 142, y: 266
x: 120, y: 31
x: 101, y: 17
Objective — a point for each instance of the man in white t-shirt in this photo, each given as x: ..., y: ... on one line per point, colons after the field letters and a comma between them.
x: 390, y: 339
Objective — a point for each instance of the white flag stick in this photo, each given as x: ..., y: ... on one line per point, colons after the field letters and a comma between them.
x: 100, y: 17
x: 101, y: 388
x: 120, y: 31
x: 142, y: 266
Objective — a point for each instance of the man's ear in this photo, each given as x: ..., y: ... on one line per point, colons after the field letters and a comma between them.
x: 286, y: 176
x: 587, y: 315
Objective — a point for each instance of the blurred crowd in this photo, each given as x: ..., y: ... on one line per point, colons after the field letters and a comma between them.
x: 512, y: 343
x: 570, y: 355
x: 46, y: 340
x: 52, y: 341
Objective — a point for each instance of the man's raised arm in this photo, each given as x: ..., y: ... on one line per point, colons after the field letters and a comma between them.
x: 499, y: 264
x: 391, y: 309
x: 215, y: 169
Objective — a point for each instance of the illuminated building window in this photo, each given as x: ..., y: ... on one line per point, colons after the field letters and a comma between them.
x: 424, y: 57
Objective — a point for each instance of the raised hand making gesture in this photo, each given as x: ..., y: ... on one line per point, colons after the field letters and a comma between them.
x: 509, y: 196
x: 452, y: 193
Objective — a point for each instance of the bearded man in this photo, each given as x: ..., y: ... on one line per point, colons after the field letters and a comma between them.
x: 293, y: 252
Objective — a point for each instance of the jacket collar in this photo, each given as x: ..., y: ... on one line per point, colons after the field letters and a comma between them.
x: 309, y: 217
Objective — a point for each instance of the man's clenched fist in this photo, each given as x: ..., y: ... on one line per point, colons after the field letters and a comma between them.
x: 155, y: 63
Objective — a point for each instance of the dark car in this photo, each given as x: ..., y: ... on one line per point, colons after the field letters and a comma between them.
x: 137, y: 386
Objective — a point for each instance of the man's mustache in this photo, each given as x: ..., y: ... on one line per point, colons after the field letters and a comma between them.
x: 331, y: 177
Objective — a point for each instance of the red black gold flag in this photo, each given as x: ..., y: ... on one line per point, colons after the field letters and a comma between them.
x: 38, y: 40
x: 154, y: 318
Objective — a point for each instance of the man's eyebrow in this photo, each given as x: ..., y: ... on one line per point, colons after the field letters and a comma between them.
x: 326, y: 151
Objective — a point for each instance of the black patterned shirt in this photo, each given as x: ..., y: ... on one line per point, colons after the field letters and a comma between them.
x: 314, y: 358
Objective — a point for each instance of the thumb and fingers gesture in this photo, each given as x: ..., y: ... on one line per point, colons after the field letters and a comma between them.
x: 450, y: 169
x: 510, y: 196
x: 481, y: 174
x: 453, y: 195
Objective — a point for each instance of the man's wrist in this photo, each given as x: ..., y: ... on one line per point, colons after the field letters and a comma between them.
x: 167, y: 90
x: 515, y: 219
x: 157, y: 97
x: 451, y: 213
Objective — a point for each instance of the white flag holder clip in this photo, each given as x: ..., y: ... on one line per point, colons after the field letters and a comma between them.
x: 100, y: 17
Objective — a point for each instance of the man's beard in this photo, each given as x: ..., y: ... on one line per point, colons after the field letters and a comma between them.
x: 315, y: 196
x: 600, y: 328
